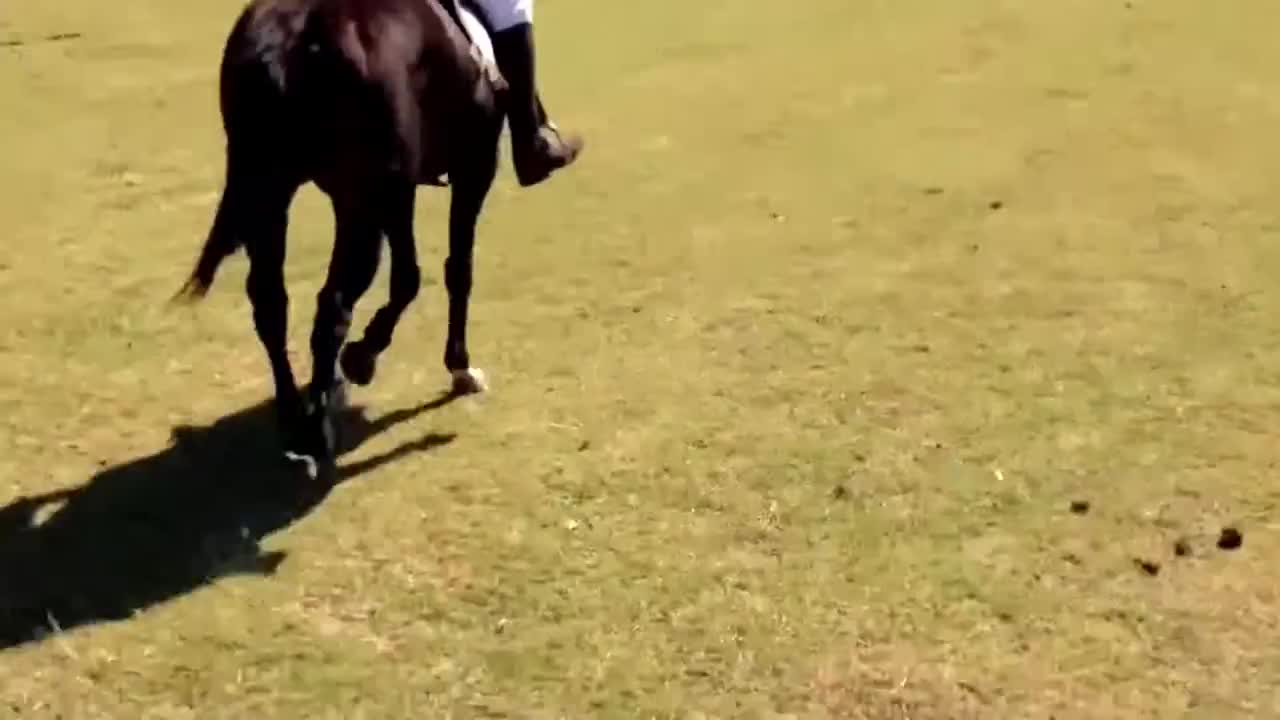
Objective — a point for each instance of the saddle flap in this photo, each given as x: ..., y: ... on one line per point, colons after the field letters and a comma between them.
x: 481, y: 45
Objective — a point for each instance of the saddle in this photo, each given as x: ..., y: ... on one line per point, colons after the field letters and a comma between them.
x: 472, y: 21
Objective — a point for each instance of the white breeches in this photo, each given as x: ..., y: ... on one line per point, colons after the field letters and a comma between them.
x: 504, y: 14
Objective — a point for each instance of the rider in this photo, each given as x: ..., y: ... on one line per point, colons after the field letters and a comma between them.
x: 537, y: 147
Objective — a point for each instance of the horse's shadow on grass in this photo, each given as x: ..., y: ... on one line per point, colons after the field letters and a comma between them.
x: 161, y: 526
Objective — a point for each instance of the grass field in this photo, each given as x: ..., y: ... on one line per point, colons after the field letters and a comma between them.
x: 796, y: 377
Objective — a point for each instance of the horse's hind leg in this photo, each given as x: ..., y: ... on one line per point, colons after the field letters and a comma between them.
x: 356, y: 252
x: 359, y: 359
x: 260, y: 209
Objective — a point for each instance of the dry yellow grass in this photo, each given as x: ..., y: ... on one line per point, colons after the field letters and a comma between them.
x: 796, y: 377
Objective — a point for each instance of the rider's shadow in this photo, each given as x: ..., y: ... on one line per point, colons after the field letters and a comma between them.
x: 164, y: 525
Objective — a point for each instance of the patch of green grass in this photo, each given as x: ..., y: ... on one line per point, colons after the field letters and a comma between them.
x: 796, y: 376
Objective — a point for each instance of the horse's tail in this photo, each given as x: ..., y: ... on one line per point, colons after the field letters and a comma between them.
x: 251, y: 85
x: 222, y: 242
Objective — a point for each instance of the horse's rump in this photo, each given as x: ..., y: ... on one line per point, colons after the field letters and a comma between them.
x: 380, y: 82
x: 291, y: 39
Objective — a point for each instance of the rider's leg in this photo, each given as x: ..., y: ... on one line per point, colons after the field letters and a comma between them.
x: 536, y: 145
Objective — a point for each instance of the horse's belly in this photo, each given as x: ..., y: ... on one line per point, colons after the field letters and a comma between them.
x: 433, y: 160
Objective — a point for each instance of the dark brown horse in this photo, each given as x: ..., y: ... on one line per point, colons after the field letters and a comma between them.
x: 368, y: 99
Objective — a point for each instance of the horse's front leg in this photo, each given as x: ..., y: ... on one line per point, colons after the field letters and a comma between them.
x: 257, y: 207
x: 360, y: 359
x: 469, y: 191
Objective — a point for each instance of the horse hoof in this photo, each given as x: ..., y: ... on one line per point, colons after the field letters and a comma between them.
x: 316, y: 455
x: 469, y: 381
x: 317, y: 470
x: 358, y: 364
x: 313, y: 443
x: 308, y: 463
